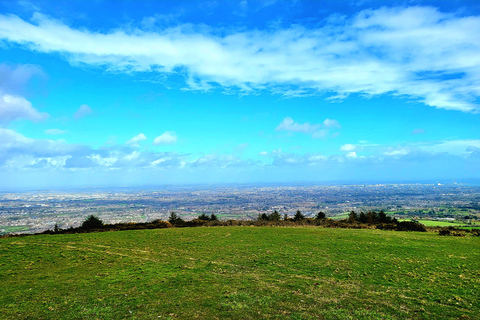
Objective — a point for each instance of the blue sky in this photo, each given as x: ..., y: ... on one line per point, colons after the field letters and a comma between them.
x: 133, y: 93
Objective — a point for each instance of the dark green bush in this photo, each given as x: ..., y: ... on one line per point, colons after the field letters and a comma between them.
x: 444, y: 232
x: 92, y: 222
x: 410, y: 226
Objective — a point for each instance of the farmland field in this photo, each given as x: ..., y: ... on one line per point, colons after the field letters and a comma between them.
x: 240, y: 273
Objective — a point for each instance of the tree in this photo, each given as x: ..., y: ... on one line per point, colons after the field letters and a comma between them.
x: 263, y: 217
x: 362, y: 217
x: 285, y: 217
x: 352, y: 216
x: 320, y: 216
x: 174, y: 218
x: 213, y: 217
x: 383, y: 218
x: 204, y: 217
x: 92, y: 222
x: 56, y: 228
x: 298, y: 216
x: 275, y: 216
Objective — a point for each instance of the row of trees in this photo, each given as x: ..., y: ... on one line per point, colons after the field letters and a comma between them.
x: 371, y: 217
x: 275, y: 216
x: 176, y: 220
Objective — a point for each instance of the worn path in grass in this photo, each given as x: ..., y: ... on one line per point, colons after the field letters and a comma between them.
x: 240, y: 273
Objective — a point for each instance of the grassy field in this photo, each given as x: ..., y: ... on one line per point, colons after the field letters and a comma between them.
x: 12, y: 229
x: 440, y: 223
x: 240, y: 273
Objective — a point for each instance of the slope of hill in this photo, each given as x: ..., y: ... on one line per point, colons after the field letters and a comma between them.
x: 239, y: 273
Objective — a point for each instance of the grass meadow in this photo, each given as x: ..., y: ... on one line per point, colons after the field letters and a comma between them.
x: 240, y: 273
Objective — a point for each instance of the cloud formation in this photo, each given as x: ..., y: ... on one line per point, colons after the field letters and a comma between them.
x: 17, y: 107
x: 135, y: 140
x: 168, y: 137
x: 315, y: 129
x: 13, y: 106
x: 289, y: 125
x: 415, y: 52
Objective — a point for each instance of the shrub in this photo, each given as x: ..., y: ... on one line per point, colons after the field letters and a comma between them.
x: 320, y: 216
x: 444, y: 232
x: 410, y: 226
x: 92, y: 222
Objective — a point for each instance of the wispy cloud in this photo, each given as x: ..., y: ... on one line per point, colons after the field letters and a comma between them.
x: 55, y: 131
x: 414, y: 52
x: 134, y: 142
x: 82, y: 112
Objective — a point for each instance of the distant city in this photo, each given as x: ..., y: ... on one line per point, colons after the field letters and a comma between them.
x: 33, y: 212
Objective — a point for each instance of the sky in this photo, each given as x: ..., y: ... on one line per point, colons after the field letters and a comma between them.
x: 146, y: 93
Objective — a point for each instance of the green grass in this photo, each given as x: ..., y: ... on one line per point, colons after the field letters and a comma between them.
x: 12, y: 229
x: 440, y: 223
x: 340, y: 216
x: 240, y: 273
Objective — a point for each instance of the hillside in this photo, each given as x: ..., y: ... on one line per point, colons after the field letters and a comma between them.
x: 239, y: 273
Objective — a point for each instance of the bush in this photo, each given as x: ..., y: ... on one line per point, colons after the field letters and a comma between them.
x: 92, y: 222
x: 410, y: 226
x: 320, y: 216
x: 444, y: 232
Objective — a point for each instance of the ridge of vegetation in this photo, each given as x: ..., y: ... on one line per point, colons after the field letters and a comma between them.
x: 368, y: 220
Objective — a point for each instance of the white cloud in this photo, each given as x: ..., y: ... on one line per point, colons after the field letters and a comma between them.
x: 16, y: 107
x: 315, y: 129
x: 352, y: 155
x: 348, y: 147
x: 134, y: 142
x: 397, y: 152
x: 55, y: 131
x: 263, y: 153
x: 132, y: 156
x: 82, y: 112
x: 414, y: 52
x: 289, y: 125
x: 168, y: 137
x: 103, y: 161
x: 331, y: 123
